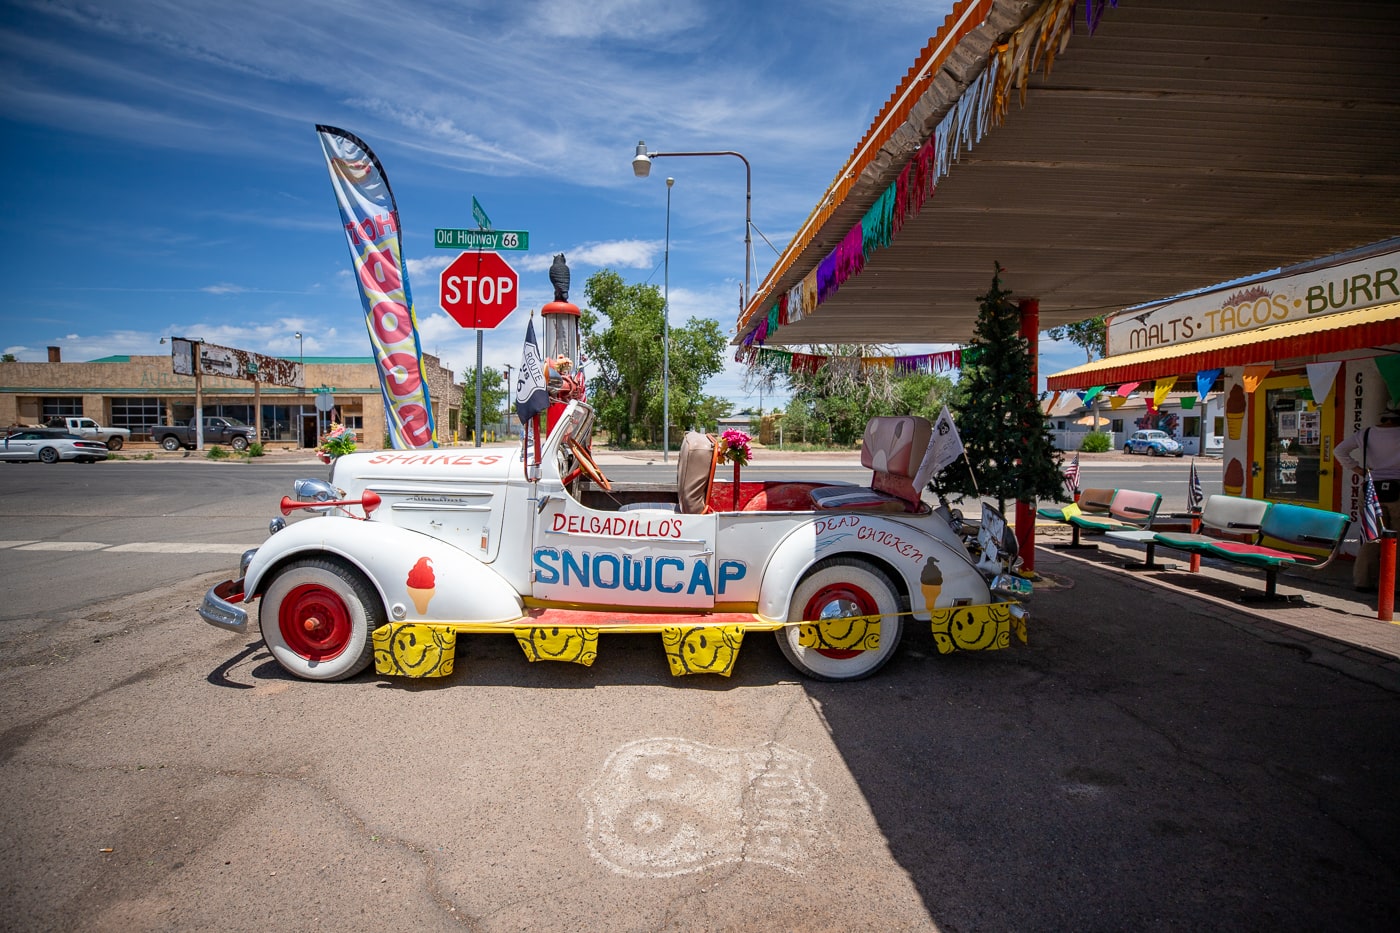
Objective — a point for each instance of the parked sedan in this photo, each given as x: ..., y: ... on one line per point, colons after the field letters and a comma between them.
x: 50, y: 446
x: 1153, y: 443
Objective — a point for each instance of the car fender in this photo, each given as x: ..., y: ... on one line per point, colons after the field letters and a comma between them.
x: 896, y: 546
x: 462, y: 587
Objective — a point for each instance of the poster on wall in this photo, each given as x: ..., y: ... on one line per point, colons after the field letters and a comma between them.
x: 1309, y: 428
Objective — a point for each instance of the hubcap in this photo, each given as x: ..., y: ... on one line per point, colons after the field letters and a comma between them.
x: 315, y: 622
x: 839, y: 602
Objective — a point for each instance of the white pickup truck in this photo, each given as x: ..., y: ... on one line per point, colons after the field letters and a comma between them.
x: 90, y: 430
x: 402, y: 551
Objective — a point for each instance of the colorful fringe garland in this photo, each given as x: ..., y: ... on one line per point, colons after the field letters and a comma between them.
x: 809, y: 363
x: 984, y: 103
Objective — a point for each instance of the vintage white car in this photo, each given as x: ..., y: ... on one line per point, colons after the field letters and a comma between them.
x: 403, y: 550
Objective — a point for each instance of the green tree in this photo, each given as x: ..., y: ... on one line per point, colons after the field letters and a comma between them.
x: 833, y: 405
x: 8, y: 358
x: 1008, y: 446
x: 494, y: 397
x: 627, y: 385
x: 1089, y: 335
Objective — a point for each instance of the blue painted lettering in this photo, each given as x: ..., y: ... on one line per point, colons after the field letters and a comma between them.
x: 615, y: 576
x: 546, y: 573
x: 731, y: 571
x: 700, y: 579
x: 668, y: 562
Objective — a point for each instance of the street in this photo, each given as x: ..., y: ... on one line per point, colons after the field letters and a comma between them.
x: 1147, y: 762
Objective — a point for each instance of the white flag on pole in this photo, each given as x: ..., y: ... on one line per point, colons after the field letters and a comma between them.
x: 944, y: 447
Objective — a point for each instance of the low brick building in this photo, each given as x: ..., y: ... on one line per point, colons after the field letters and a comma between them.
x: 137, y: 392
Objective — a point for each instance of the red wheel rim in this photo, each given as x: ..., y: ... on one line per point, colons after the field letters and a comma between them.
x: 314, y: 622
x: 835, y: 602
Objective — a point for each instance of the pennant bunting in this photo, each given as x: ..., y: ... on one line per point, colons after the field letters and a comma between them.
x: 1389, y: 367
x: 1126, y: 389
x: 1255, y: 374
x: 1205, y: 381
x: 1321, y: 376
x: 1160, y: 390
x: 1092, y: 393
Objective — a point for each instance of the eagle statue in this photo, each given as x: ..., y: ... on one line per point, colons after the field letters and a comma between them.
x: 559, y: 276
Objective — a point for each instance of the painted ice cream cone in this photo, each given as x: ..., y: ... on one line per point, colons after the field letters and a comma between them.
x: 421, y: 584
x: 1234, y: 478
x: 931, y: 582
x: 1234, y: 411
x: 421, y: 596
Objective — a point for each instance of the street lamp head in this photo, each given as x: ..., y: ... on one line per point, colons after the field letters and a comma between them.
x: 297, y: 335
x: 670, y: 182
x: 641, y: 165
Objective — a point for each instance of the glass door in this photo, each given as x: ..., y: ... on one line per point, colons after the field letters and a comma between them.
x: 1293, y: 460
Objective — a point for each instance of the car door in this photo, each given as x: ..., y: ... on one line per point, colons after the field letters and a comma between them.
x: 645, y: 557
x: 20, y: 446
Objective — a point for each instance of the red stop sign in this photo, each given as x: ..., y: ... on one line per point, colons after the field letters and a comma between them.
x: 479, y: 290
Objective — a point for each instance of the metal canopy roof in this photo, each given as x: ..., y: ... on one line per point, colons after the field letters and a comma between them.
x: 1183, y: 144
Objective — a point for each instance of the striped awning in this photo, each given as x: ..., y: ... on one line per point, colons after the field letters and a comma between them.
x: 1377, y: 326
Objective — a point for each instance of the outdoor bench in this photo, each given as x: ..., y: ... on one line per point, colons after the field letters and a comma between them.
x: 1289, y: 536
x: 1224, y: 518
x: 1128, y: 509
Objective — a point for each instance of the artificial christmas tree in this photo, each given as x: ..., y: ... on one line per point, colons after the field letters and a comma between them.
x: 1009, y: 453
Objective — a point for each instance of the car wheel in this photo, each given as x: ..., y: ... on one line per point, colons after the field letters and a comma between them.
x: 1127, y: 448
x: 836, y: 589
x: 238, y: 442
x: 114, y: 443
x: 48, y: 455
x: 1155, y: 451
x: 170, y: 442
x: 316, y: 618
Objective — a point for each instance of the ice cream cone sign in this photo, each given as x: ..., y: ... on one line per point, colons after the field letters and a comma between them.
x: 1234, y: 411
x: 421, y: 584
x: 931, y: 582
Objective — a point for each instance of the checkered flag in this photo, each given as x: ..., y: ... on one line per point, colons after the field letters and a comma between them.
x: 1372, y: 518
x: 1072, y: 475
x: 1195, y: 495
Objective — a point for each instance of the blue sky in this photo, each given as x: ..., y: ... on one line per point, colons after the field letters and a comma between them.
x: 165, y: 176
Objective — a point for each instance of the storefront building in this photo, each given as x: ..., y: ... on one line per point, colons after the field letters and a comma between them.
x: 1303, y: 358
x: 137, y: 392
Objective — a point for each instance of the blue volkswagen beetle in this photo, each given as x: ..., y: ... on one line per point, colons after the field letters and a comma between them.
x: 1153, y: 443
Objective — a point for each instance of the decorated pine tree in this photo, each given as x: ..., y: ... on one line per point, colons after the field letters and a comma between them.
x: 1008, y: 445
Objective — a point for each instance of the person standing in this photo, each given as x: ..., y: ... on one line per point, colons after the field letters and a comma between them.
x: 1376, y: 449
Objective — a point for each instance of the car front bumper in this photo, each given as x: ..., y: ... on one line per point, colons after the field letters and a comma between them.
x: 223, y: 606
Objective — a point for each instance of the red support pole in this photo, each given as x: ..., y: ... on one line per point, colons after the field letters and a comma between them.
x: 1385, y: 604
x: 1195, y: 555
x: 1025, y: 511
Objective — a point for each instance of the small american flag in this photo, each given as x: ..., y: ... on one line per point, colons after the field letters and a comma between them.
x: 1195, y: 495
x: 1072, y: 475
x: 1372, y: 518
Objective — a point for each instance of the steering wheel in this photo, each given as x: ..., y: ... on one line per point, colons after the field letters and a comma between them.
x: 585, y: 460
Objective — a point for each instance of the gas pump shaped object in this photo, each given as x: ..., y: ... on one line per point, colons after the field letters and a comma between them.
x: 563, y: 378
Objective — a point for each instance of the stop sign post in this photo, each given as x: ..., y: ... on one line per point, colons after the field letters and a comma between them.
x: 479, y: 290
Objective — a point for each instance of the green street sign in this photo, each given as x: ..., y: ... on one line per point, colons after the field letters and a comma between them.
x: 494, y: 240
x: 479, y: 215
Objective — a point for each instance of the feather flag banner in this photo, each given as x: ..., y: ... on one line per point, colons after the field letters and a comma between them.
x: 370, y: 218
x: 1372, y: 518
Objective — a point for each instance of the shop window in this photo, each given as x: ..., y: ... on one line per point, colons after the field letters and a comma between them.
x: 1116, y: 425
x: 137, y: 414
x: 1190, y: 427
x: 60, y: 407
x: 1218, y: 426
x: 355, y: 422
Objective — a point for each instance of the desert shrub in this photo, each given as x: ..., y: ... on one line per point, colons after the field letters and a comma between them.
x: 1096, y: 442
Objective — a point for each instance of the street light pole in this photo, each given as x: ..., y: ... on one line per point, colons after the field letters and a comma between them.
x: 641, y: 167
x: 666, y: 337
